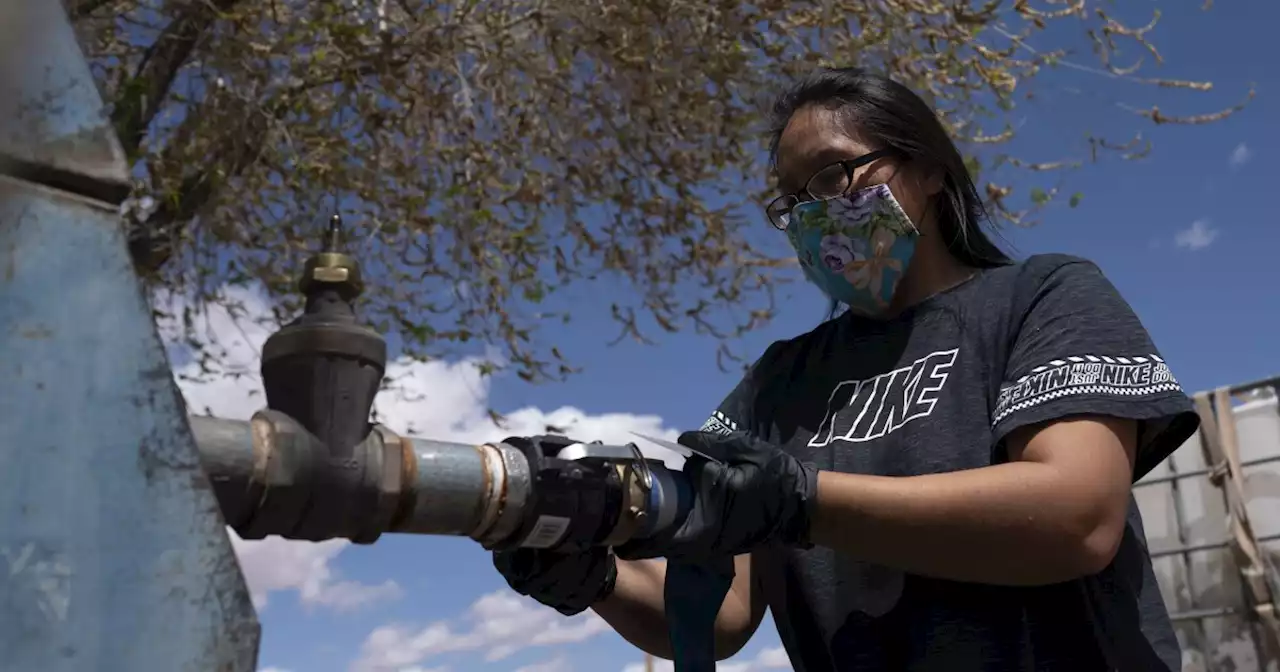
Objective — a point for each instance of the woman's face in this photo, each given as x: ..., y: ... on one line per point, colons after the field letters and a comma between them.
x: 814, y: 138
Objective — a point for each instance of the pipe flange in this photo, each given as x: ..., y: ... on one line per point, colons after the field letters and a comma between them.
x: 635, y: 500
x: 387, y: 453
x: 512, y: 499
x: 285, y: 473
x: 495, y: 488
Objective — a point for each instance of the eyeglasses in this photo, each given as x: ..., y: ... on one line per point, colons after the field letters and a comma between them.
x: 831, y: 182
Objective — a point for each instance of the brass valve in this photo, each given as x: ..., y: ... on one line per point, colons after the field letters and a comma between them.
x: 323, y: 370
x: 329, y: 266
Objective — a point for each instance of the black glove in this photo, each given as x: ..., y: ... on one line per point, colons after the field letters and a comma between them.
x: 568, y: 582
x: 756, y: 496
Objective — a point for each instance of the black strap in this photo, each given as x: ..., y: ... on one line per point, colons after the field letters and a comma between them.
x: 693, y: 595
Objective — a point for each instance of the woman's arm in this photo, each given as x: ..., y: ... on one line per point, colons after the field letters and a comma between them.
x: 1054, y: 513
x: 635, y: 608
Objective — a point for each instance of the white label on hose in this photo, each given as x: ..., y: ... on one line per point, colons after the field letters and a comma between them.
x: 546, y: 532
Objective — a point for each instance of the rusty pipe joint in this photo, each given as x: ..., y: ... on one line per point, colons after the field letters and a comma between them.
x: 272, y: 476
x: 290, y: 484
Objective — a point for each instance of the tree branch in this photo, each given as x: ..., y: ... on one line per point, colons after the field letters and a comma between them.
x: 143, y: 96
x: 153, y: 242
x: 79, y: 9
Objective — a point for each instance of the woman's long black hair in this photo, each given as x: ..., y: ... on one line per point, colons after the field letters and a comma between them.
x: 883, y: 111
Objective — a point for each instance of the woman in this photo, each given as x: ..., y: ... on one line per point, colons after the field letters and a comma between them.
x: 937, y: 478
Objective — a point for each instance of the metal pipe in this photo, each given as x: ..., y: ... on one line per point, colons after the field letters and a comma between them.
x: 1204, y: 471
x: 1179, y: 522
x: 1271, y: 381
x: 265, y: 472
x: 459, y: 489
x: 1203, y: 614
x: 1195, y: 548
x: 226, y: 453
x: 269, y: 473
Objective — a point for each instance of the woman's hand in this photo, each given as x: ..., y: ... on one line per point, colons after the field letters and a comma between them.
x: 756, y: 495
x: 568, y: 582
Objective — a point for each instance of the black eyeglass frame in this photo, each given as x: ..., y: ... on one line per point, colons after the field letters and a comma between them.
x: 849, y: 166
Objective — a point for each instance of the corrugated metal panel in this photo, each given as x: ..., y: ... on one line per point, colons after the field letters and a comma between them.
x: 1201, y: 585
x: 113, y: 554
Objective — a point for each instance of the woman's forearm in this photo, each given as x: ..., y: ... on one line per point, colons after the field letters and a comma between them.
x: 1009, y: 524
x: 637, y: 612
x: 635, y: 608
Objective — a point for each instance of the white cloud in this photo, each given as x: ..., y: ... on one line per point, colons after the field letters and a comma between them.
x: 499, y: 624
x: 767, y: 659
x: 274, y: 564
x: 272, y: 669
x: 659, y: 665
x: 557, y: 664
x: 441, y: 400
x: 1240, y: 155
x: 448, y: 401
x: 773, y: 659
x: 1198, y: 236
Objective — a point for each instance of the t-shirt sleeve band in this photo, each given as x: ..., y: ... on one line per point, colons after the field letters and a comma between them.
x: 1079, y: 349
x: 1084, y: 376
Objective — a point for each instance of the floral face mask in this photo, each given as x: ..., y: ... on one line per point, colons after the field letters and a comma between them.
x: 855, y: 247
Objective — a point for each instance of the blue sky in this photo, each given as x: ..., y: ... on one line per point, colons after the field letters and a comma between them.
x: 1129, y: 222
x: 1188, y: 235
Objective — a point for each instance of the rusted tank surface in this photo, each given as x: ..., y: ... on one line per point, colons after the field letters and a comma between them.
x: 113, y: 552
x: 1186, y: 520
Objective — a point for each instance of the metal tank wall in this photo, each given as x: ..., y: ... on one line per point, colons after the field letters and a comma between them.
x: 113, y: 551
x: 1185, y: 519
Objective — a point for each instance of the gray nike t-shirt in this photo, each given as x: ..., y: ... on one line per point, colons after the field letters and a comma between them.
x: 936, y: 390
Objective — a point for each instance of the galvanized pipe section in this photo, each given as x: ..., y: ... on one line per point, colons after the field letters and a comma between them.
x: 226, y: 453
x: 464, y: 490
x: 264, y: 471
